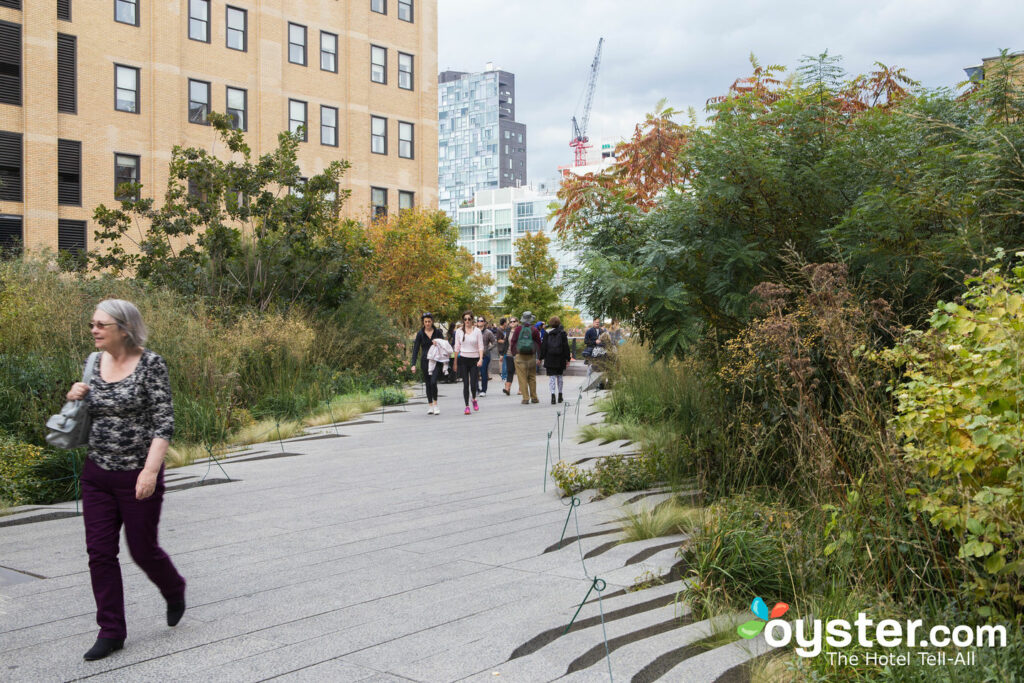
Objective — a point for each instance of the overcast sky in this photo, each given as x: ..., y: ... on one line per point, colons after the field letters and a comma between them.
x: 688, y: 51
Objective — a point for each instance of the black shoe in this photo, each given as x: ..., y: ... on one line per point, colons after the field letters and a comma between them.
x: 559, y: 397
x: 505, y: 391
x: 102, y: 648
x: 175, y: 610
x: 552, y: 399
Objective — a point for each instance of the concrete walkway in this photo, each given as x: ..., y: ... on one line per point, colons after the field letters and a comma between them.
x: 403, y: 547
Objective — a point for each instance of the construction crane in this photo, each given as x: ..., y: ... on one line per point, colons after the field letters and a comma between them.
x: 579, y: 128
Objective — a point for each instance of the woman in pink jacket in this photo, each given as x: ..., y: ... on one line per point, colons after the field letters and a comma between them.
x: 469, y: 356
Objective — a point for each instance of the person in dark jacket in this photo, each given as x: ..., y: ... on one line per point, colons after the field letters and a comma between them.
x: 424, y: 338
x: 555, y: 353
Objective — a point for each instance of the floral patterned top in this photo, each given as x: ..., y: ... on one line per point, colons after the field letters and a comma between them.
x: 128, y: 414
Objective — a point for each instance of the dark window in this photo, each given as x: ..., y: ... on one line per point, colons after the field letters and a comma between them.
x: 297, y: 118
x: 10, y: 63
x: 379, y: 201
x: 10, y: 166
x: 13, y: 4
x: 237, y: 28
x: 406, y: 200
x: 378, y: 135
x: 405, y: 10
x: 328, y: 126
x: 328, y: 51
x: 126, y: 88
x: 126, y: 11
x: 126, y: 170
x: 198, y: 102
x: 69, y: 172
x: 11, y: 237
x: 70, y: 235
x: 67, y: 74
x: 64, y: 10
x: 405, y: 79
x: 199, y: 20
x: 378, y: 64
x: 405, y: 140
x: 297, y: 44
x: 379, y: 6
x: 238, y: 105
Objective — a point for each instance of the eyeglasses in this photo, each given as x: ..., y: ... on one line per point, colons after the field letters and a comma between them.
x: 480, y: 320
x: 468, y: 319
x: 93, y: 324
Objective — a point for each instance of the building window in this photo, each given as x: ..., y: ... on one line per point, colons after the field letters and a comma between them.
x: 126, y: 12
x: 378, y: 64
x: 69, y: 172
x: 405, y: 80
x: 238, y: 105
x: 328, y: 51
x: 328, y: 126
x: 126, y: 88
x: 379, y: 6
x: 64, y: 10
x: 10, y: 166
x: 504, y: 261
x: 11, y: 237
x: 13, y: 4
x: 297, y: 118
x: 406, y: 200
x: 297, y: 44
x: 199, y: 20
x: 378, y: 135
x: 405, y: 10
x: 379, y: 202
x: 67, y: 73
x: 126, y: 170
x: 198, y: 102
x: 70, y: 235
x: 237, y: 25
x: 10, y: 63
x: 405, y: 140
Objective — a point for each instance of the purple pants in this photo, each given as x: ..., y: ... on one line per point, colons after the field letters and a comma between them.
x: 108, y: 501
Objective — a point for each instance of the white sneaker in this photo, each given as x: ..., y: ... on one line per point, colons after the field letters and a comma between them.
x: 430, y: 410
x: 481, y: 394
x: 437, y: 410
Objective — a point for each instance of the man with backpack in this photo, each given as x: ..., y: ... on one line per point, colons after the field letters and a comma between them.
x: 555, y: 353
x: 525, y: 344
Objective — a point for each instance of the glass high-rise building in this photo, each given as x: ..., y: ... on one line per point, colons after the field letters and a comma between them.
x: 480, y: 144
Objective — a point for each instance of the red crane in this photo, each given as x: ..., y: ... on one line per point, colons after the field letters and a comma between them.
x: 580, y: 141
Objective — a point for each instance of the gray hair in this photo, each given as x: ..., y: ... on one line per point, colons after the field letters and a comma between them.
x: 128, y: 319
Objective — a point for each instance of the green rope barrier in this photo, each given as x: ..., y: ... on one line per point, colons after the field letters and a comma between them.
x: 593, y: 586
x: 547, y: 459
x: 574, y: 503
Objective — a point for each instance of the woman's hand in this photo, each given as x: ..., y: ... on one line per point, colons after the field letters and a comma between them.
x: 480, y: 363
x: 78, y: 391
x: 145, y: 485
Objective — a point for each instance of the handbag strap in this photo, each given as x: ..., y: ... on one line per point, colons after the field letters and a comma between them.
x: 90, y: 366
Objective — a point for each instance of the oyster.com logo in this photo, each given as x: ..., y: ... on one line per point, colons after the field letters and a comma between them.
x: 750, y: 629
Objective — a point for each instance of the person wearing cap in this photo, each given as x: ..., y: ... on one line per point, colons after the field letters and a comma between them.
x: 421, y: 346
x: 525, y: 360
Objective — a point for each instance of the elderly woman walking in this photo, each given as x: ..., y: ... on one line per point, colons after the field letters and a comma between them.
x: 129, y: 399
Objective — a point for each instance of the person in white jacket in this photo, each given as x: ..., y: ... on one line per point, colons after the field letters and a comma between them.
x: 469, y: 356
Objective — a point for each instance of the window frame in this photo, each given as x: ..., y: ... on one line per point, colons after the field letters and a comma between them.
x: 411, y: 140
x: 206, y: 122
x: 67, y: 223
x: 138, y: 175
x: 245, y: 105
x: 335, y: 128
x: 67, y: 17
x: 305, y: 121
x: 228, y: 29
x: 383, y: 6
x: 412, y: 11
x: 305, y: 44
x: 375, y: 209
x: 411, y: 72
x: 138, y: 88
x: 323, y: 52
x: 384, y: 66
x: 412, y: 200
x: 17, y: 37
x: 18, y: 140
x: 134, y: 4
x: 78, y: 151
x: 65, y: 39
x: 195, y: 3
x: 383, y: 137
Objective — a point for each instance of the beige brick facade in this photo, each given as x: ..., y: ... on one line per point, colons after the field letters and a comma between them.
x: 167, y: 58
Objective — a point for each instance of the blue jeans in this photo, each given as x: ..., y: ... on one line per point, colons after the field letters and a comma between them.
x: 483, y: 374
x: 506, y: 363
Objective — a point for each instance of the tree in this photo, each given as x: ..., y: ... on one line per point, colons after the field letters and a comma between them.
x: 415, y: 265
x: 240, y: 231
x: 532, y: 281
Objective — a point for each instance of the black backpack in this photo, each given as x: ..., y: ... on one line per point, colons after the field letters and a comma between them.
x: 556, y: 349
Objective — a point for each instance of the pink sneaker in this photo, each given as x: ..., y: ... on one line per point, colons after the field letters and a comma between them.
x: 467, y: 410
x: 475, y: 406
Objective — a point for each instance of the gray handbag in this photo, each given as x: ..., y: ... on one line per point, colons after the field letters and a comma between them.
x: 70, y: 427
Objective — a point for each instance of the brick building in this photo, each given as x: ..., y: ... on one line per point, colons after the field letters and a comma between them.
x: 94, y: 92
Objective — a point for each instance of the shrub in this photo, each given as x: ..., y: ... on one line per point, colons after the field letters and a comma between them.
x: 619, y: 473
x: 571, y: 478
x: 32, y: 474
